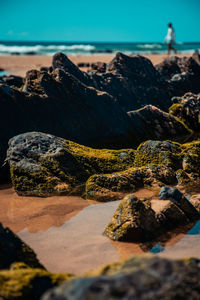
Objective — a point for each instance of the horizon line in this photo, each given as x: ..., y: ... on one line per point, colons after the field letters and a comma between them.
x: 95, y: 42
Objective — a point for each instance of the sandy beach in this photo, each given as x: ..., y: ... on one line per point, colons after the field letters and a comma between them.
x: 19, y: 65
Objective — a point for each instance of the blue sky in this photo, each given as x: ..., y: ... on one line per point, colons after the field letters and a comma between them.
x: 93, y: 20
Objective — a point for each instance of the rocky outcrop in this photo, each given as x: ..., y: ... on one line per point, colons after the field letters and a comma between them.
x: 136, y: 278
x: 12, y: 249
x: 42, y: 164
x: 186, y: 108
x: 91, y: 108
x: 183, y: 73
x: 140, y: 221
x: 150, y: 121
x: 155, y: 163
x: 107, y: 187
x: 12, y: 80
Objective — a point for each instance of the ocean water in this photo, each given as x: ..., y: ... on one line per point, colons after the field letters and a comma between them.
x: 75, y: 48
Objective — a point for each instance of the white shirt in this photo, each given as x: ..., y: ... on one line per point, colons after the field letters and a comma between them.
x: 170, y: 37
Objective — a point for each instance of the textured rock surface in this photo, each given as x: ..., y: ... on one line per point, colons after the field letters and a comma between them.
x: 107, y: 187
x: 136, y: 278
x: 24, y: 283
x: 183, y: 74
x: 133, y: 221
x: 12, y: 249
x: 150, y: 121
x: 91, y: 108
x: 186, y: 108
x: 42, y: 164
x: 138, y: 221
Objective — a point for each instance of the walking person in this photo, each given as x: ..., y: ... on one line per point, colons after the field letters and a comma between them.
x: 170, y: 38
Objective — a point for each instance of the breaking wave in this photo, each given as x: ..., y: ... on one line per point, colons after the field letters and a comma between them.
x: 41, y: 49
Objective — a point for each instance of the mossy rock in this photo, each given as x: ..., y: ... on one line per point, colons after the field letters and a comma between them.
x: 24, y: 283
x: 132, y: 221
x: 42, y: 164
x: 13, y: 249
x: 138, y: 220
x: 191, y: 159
x: 45, y: 165
x: 107, y: 187
x: 187, y: 110
x: 165, y: 153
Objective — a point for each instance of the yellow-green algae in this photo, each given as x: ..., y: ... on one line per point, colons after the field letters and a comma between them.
x: 24, y: 283
x: 71, y: 168
x: 108, y: 170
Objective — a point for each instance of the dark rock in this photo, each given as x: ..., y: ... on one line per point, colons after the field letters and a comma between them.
x: 134, y: 82
x: 13, y: 80
x: 45, y: 69
x: 174, y: 195
x: 139, y: 221
x: 196, y: 56
x: 99, y: 67
x: 150, y: 121
x: 183, y: 74
x: 186, y: 108
x: 30, y: 53
x: 83, y: 65
x: 15, y: 53
x: 136, y: 278
x: 133, y: 221
x: 42, y: 164
x: 170, y: 193
x: 12, y: 249
x: 62, y: 62
x: 90, y: 109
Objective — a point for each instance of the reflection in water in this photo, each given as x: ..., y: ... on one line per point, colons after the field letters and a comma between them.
x: 157, y: 248
x: 171, y: 238
x: 195, y: 229
x: 2, y: 73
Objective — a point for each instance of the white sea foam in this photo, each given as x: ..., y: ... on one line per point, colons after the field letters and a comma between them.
x: 149, y: 46
x: 44, y: 49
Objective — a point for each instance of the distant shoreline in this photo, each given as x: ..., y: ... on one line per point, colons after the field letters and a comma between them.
x: 19, y: 65
x: 91, y: 48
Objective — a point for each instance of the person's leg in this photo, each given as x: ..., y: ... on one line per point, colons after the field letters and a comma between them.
x: 169, y: 48
x: 174, y: 49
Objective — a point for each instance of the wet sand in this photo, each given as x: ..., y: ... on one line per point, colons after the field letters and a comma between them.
x: 35, y: 213
x: 67, y: 232
x: 19, y: 65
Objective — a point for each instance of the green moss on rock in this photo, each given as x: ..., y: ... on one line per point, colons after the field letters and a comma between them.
x: 52, y: 165
x: 24, y: 283
x: 43, y: 165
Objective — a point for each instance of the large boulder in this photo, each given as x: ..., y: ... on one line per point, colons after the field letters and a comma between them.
x: 150, y: 121
x: 136, y: 278
x: 13, y: 249
x: 42, y: 164
x: 133, y: 221
x: 138, y: 221
x: 183, y: 74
